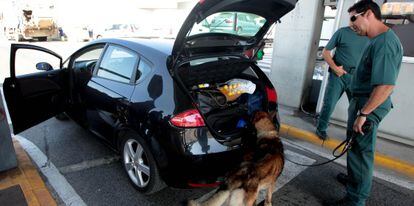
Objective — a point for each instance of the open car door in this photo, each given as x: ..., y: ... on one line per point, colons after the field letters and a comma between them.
x: 35, y: 97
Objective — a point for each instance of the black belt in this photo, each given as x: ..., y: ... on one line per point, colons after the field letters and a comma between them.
x: 361, y: 94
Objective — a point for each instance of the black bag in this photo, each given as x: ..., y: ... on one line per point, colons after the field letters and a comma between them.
x: 225, y: 121
x: 209, y: 100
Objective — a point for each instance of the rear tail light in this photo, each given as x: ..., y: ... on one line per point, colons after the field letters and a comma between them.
x: 271, y: 94
x: 189, y: 118
x: 228, y: 21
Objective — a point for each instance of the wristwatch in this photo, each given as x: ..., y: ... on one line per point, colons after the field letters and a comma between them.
x: 360, y: 114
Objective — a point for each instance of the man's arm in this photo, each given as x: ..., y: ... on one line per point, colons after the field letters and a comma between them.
x: 377, y: 97
x: 339, y: 70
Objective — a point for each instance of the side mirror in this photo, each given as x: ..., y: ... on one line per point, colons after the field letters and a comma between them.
x: 44, y: 66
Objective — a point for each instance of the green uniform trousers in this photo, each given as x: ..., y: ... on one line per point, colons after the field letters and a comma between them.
x: 360, y: 158
x: 334, y: 90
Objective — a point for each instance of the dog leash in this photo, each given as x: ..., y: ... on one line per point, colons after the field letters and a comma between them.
x: 347, y: 143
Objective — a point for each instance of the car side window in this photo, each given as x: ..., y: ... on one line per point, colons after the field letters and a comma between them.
x: 118, y: 64
x: 90, y: 55
x: 27, y: 59
x: 144, y: 69
x: 88, y: 59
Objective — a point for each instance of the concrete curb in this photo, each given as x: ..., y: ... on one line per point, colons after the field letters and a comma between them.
x: 380, y: 159
x: 27, y: 177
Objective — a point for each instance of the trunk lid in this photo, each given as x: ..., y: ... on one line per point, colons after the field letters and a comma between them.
x: 227, y: 26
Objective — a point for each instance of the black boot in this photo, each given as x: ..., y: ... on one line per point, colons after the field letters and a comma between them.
x: 321, y: 134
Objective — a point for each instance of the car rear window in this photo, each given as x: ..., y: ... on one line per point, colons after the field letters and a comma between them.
x: 237, y: 23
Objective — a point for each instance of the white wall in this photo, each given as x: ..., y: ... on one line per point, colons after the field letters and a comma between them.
x: 294, y: 51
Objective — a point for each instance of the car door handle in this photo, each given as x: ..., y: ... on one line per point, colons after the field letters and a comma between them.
x: 50, y: 75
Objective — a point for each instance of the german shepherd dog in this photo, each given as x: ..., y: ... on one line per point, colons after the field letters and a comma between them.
x: 262, y: 164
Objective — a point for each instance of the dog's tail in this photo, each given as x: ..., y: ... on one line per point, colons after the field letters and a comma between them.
x: 217, y: 199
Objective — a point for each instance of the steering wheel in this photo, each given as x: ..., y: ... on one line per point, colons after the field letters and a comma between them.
x: 89, y: 66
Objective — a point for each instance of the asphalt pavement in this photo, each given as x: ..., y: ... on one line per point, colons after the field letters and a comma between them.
x: 80, y: 155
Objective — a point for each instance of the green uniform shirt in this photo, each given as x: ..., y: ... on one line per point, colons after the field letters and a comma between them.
x: 349, y: 46
x: 379, y: 64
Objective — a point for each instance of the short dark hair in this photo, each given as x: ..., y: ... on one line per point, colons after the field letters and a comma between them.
x: 365, y: 5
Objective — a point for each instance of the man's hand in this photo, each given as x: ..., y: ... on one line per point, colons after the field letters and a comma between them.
x: 360, y: 120
x: 339, y: 71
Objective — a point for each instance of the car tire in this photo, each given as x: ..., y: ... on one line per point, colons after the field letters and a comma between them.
x: 411, y: 18
x: 43, y: 38
x: 141, y: 168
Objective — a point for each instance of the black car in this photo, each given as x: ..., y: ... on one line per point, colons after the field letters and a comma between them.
x: 176, y: 111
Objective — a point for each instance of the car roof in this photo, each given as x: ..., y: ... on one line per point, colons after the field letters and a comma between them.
x: 153, y: 49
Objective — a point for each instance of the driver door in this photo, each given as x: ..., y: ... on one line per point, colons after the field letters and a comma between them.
x: 35, y: 96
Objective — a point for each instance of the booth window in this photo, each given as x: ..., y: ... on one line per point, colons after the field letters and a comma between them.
x: 406, y: 33
x: 399, y: 15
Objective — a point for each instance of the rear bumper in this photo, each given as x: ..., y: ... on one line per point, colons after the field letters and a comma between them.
x: 197, y: 159
x: 201, y: 170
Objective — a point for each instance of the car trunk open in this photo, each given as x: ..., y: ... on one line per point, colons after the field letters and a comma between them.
x: 206, y: 61
x: 227, y: 115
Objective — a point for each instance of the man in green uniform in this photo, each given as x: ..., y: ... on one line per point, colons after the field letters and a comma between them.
x: 349, y: 47
x: 371, y: 87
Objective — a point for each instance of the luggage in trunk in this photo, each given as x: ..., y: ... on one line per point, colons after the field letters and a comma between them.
x: 227, y: 116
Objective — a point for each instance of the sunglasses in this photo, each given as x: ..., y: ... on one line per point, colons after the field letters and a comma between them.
x: 354, y: 17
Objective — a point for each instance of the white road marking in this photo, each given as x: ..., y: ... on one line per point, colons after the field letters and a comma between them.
x: 290, y: 171
x: 409, y: 184
x: 88, y: 164
x: 54, y: 177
